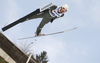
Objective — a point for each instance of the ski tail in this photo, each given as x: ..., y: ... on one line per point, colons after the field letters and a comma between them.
x: 21, y: 20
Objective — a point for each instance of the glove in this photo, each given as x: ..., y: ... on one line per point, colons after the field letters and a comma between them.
x: 51, y: 20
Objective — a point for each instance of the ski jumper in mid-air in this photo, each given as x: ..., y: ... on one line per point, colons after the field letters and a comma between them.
x: 48, y: 15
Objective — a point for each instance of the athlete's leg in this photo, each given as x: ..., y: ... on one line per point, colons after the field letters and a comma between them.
x: 41, y: 25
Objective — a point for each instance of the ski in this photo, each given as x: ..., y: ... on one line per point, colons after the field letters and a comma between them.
x: 25, y: 18
x: 48, y: 34
x: 21, y: 20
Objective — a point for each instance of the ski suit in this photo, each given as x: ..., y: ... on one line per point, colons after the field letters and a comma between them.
x: 47, y: 15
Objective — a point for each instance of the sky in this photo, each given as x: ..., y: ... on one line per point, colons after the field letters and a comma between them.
x: 77, y: 46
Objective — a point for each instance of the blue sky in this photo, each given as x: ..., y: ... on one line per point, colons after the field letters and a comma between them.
x: 77, y: 46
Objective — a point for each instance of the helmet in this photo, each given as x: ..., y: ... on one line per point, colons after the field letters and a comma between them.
x: 65, y: 6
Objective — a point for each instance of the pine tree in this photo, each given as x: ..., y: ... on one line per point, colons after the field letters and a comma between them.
x: 42, y: 58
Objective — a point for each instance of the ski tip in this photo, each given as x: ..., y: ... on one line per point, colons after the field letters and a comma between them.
x: 1, y: 31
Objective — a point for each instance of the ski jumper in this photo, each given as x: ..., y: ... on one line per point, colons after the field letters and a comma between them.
x: 48, y: 16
